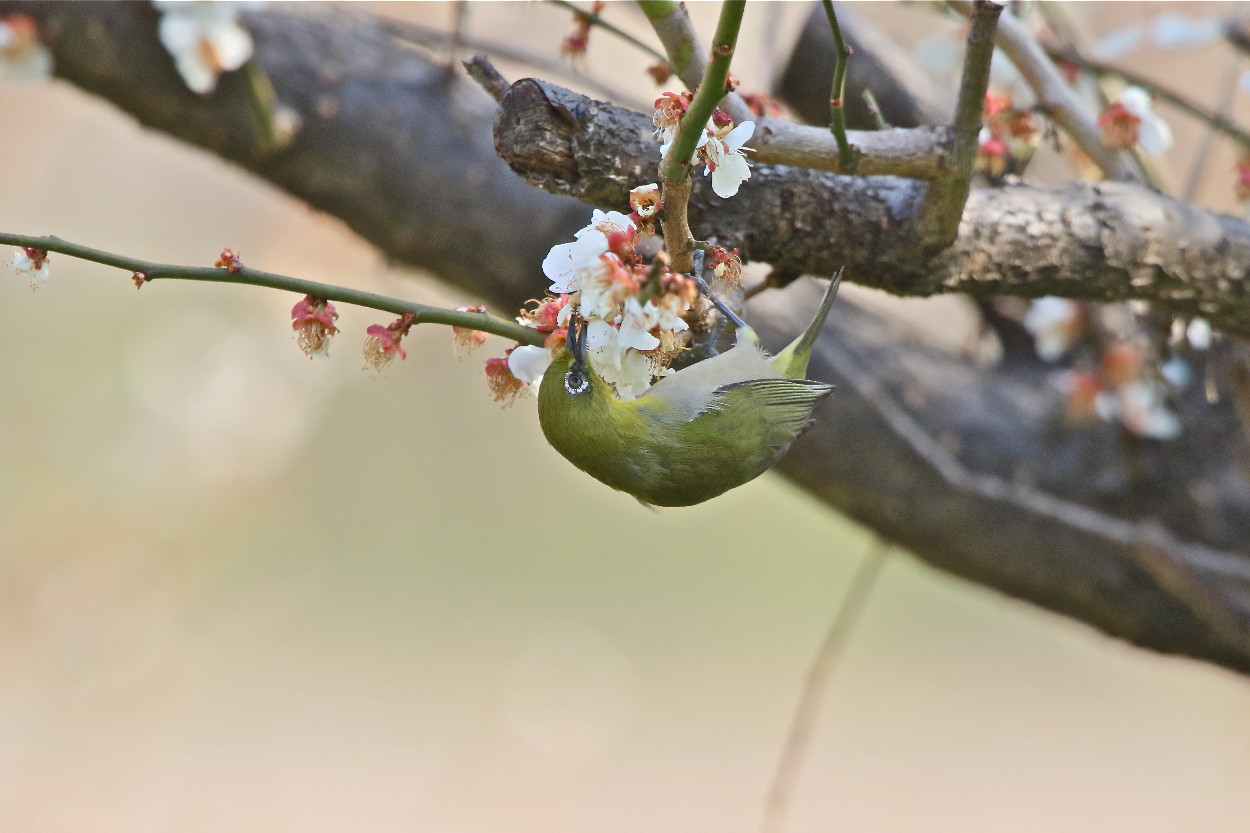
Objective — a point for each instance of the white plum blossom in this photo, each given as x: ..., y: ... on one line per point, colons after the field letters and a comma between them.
x: 32, y: 265
x: 645, y: 200
x: 721, y: 153
x: 1155, y: 136
x: 667, y: 314
x: 631, y: 376
x: 205, y: 40
x: 726, y: 162
x: 670, y: 137
x: 529, y: 363
x: 635, y: 328
x: 1054, y: 324
x: 565, y: 262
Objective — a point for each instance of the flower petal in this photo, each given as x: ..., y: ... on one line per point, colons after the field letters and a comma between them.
x: 1136, y: 101
x: 1156, y: 136
x: 730, y: 174
x: 739, y: 136
x: 566, y: 261
x: 529, y: 363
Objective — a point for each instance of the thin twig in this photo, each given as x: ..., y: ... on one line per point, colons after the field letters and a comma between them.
x: 482, y: 71
x: 1057, y: 19
x: 151, y: 271
x: 837, y: 104
x: 874, y: 110
x: 918, y: 152
x: 459, y: 30
x: 1215, y: 120
x: 597, y: 20
x: 1224, y: 564
x: 816, y: 687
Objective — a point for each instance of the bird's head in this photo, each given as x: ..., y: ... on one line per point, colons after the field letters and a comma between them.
x: 570, y: 381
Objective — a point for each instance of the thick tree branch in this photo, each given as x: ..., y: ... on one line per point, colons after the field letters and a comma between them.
x: 1095, y: 241
x: 970, y: 467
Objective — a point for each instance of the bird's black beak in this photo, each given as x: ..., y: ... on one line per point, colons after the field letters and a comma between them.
x: 576, y: 340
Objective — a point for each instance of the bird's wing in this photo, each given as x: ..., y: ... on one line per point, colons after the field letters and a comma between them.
x: 784, y: 406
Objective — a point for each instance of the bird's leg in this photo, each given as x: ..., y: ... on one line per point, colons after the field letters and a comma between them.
x: 720, y: 305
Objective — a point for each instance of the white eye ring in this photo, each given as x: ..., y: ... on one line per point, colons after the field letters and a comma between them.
x: 575, y: 382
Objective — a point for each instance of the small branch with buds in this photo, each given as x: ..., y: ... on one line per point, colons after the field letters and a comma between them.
x: 232, y: 271
x: 919, y: 152
x: 597, y: 20
x: 686, y: 54
x: 675, y: 169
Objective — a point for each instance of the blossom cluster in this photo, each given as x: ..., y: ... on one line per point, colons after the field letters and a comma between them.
x: 721, y: 145
x: 634, y: 313
x: 1119, y: 385
x: 1008, y: 139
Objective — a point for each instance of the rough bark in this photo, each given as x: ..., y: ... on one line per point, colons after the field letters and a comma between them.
x: 1097, y: 241
x: 970, y: 467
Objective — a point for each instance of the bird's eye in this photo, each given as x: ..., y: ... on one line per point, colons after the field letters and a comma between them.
x: 575, y: 382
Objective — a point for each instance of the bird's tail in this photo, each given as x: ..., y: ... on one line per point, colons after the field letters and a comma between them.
x: 792, y: 361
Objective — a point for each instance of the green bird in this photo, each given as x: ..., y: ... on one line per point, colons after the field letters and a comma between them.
x: 695, y: 434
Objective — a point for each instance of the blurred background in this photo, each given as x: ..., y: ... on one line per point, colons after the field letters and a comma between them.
x: 243, y: 590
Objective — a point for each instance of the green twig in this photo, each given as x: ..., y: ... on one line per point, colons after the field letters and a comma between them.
x: 675, y: 168
x: 710, y: 92
x: 671, y: 24
x: 597, y: 20
x: 150, y: 270
x: 837, y: 103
